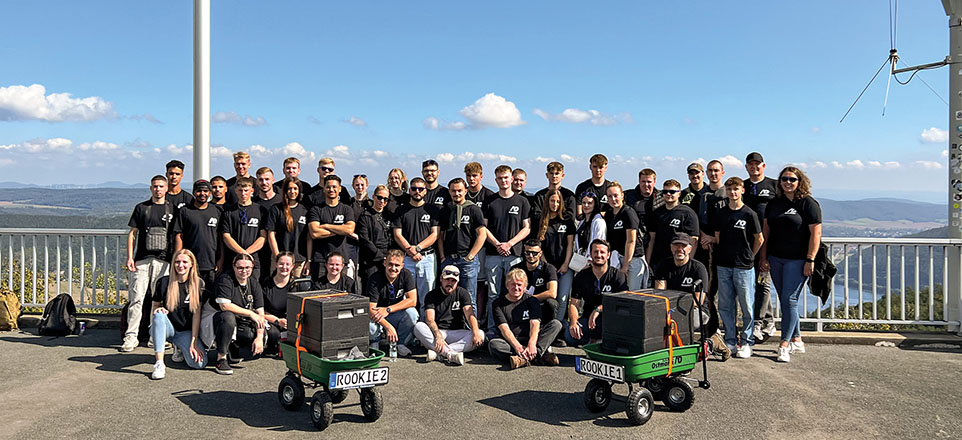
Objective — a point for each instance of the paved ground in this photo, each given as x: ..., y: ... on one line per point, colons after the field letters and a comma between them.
x: 81, y: 387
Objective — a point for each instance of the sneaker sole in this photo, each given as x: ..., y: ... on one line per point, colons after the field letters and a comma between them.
x: 225, y: 373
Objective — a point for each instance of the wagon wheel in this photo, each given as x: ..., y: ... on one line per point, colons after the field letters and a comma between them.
x: 322, y: 410
x: 291, y: 393
x: 372, y: 404
x: 640, y: 406
x: 678, y: 395
x: 597, y: 395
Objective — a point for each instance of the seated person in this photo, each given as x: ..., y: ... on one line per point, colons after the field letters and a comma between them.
x: 588, y: 286
x: 176, y: 315
x: 240, y: 320
x: 542, y: 278
x: 683, y: 273
x: 443, y: 332
x: 335, y: 278
x: 521, y: 339
x: 393, y: 297
x: 275, y: 291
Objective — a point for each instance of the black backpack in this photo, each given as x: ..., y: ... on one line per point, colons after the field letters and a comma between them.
x: 59, y: 316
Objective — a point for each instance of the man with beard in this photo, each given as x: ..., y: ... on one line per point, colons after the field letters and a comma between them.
x: 588, y: 288
x: 195, y: 228
x: 415, y: 232
x: 436, y: 194
x: 450, y: 328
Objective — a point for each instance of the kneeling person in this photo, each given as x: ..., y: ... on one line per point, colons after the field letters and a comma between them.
x: 393, y: 300
x: 521, y: 337
x: 176, y: 315
x: 542, y: 278
x: 240, y: 320
x: 442, y: 331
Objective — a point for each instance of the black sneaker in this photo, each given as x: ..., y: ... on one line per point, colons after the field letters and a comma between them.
x: 223, y: 367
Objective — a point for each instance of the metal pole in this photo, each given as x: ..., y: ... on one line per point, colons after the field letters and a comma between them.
x: 201, y: 89
x: 953, y: 9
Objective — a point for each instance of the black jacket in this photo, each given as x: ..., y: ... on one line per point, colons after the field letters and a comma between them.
x: 820, y: 282
x: 374, y: 235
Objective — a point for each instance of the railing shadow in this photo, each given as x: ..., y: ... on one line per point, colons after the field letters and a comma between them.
x: 85, y: 341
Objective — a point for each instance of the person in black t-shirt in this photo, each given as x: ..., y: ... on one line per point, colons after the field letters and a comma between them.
x: 242, y: 166
x: 556, y: 234
x: 478, y: 194
x: 623, y: 234
x: 461, y: 225
x: 597, y: 183
x: 683, y: 273
x: 329, y: 224
x: 555, y: 173
x: 415, y: 233
x: 393, y: 302
x: 275, y: 290
x: 738, y: 237
x: 589, y: 287
x: 436, y: 194
x: 151, y: 222
x: 292, y: 170
x: 175, y: 195
x: 645, y: 198
x: 450, y: 328
x: 335, y: 279
x: 793, y: 233
x: 218, y: 192
x: 374, y: 235
x: 176, y: 315
x: 397, y: 186
x: 265, y: 194
x: 522, y: 337
x: 759, y: 190
x: 714, y: 201
x: 242, y: 226
x: 240, y: 320
x: 508, y: 222
x: 542, y: 278
x: 196, y: 228
x: 668, y: 220
x: 287, y: 227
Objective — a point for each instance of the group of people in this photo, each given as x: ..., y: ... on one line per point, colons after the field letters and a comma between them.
x: 456, y: 267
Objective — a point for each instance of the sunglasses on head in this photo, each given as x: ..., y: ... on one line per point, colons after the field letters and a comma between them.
x: 671, y: 191
x: 328, y: 169
x: 589, y: 194
x: 446, y: 273
x: 789, y: 179
x: 363, y: 176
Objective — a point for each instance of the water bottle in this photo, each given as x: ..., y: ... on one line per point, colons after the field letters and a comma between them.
x: 392, y: 352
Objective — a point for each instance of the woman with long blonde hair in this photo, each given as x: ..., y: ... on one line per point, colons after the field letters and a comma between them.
x: 176, y: 315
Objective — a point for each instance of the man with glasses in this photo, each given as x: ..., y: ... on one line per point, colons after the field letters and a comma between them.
x: 329, y: 223
x: 415, y: 232
x: 436, y: 194
x: 393, y: 303
x: 508, y: 216
x: 195, y: 228
x: 375, y: 235
x: 588, y: 287
x: 542, y: 278
x: 243, y: 225
x: 668, y: 220
x: 461, y: 225
x: 325, y: 167
x: 450, y: 328
x: 759, y: 190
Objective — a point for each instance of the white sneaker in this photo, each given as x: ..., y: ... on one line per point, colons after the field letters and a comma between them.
x: 757, y: 334
x: 403, y: 350
x: 432, y: 355
x: 783, y: 355
x: 130, y: 343
x: 744, y: 352
x: 178, y: 355
x: 456, y: 358
x: 797, y: 347
x: 160, y: 370
x: 769, y: 329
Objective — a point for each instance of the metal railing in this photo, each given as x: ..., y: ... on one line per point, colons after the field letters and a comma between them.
x: 893, y: 281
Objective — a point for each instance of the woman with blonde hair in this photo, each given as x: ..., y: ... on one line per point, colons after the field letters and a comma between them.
x: 556, y: 233
x: 176, y: 315
x: 397, y: 186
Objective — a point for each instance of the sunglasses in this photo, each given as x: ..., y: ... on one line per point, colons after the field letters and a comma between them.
x: 694, y: 171
x: 589, y: 194
x: 418, y: 188
x: 789, y: 179
x: 363, y: 176
x: 328, y: 169
x: 532, y: 253
x: 448, y: 273
x: 382, y: 198
x: 671, y: 191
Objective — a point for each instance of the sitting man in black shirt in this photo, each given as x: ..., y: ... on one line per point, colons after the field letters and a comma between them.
x: 521, y: 338
x: 393, y: 297
x: 683, y: 273
x: 443, y: 332
x: 589, y: 286
x: 335, y: 278
x: 542, y: 278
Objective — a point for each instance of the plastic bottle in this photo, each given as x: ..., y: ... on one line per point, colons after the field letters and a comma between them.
x: 392, y: 353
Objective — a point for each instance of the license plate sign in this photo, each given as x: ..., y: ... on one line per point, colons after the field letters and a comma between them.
x: 352, y: 379
x: 600, y: 370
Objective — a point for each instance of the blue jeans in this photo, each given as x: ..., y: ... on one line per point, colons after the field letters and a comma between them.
x: 161, y: 331
x: 789, y: 282
x: 736, y: 284
x: 468, y: 278
x: 587, y: 334
x: 424, y: 273
x: 403, y: 322
x: 496, y: 267
x: 638, y: 273
x: 564, y: 291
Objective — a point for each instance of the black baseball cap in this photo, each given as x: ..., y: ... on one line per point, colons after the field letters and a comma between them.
x: 754, y: 156
x: 201, y: 184
x: 681, y: 238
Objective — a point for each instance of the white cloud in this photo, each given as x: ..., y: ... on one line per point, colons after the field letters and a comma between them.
x: 731, y: 161
x: 355, y: 121
x: 857, y: 164
x: 220, y: 151
x: 53, y: 145
x: 234, y: 118
x: 567, y: 158
x: 432, y: 123
x: 98, y: 146
x: 445, y: 157
x: 578, y: 116
x: 489, y: 110
x: 341, y: 151
x: 934, y: 135
x: 544, y: 159
x: 929, y: 164
x: 836, y: 164
x: 31, y: 103
x: 146, y: 117
x: 258, y: 150
x: 945, y: 153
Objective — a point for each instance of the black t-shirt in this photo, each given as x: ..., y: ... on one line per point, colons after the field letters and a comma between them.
x: 618, y: 226
x: 317, y: 196
x: 555, y: 241
x: 231, y: 195
x: 329, y: 215
x: 666, y: 223
x: 147, y: 215
x: 788, y: 226
x: 198, y: 229
x: 249, y: 297
x: 601, y: 191
x: 386, y: 293
x: 568, y: 197
x: 181, y: 199
x: 757, y: 195
x: 714, y: 202
x: 394, y: 202
x: 590, y: 289
x: 181, y: 317
x: 448, y: 313
x: 305, y: 192
x: 479, y: 197
x: 374, y: 235
x: 644, y: 207
x: 275, y: 297
x: 268, y: 203
x: 344, y: 284
x: 416, y: 222
x: 244, y: 224
x: 439, y: 197
x: 539, y: 277
x: 696, y: 200
x: 736, y: 232
x: 517, y: 314
x: 682, y: 277
x: 505, y: 218
x: 294, y: 241
x: 459, y: 241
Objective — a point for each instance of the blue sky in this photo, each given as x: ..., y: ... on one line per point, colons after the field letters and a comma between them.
x: 378, y: 84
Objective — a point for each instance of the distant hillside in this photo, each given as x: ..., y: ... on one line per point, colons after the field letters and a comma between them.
x: 111, y: 184
x: 940, y: 232
x: 882, y: 209
x: 94, y: 202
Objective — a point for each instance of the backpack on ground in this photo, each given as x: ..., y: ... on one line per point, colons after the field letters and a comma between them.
x: 9, y: 310
x: 143, y: 332
x: 59, y: 316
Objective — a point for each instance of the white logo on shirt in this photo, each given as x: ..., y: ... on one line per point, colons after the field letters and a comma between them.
x: 618, y: 225
x: 791, y: 211
x: 253, y: 222
x: 563, y: 228
x: 180, y: 205
x: 456, y: 305
x: 479, y: 204
x: 439, y: 200
x: 339, y: 218
x: 525, y: 316
x: 167, y: 217
x: 740, y: 224
x: 604, y: 198
x: 465, y: 220
x: 606, y: 288
x: 764, y: 193
x: 212, y: 222
x: 539, y: 281
x: 302, y: 220
x: 675, y: 223
x: 426, y: 218
x: 687, y: 282
x: 514, y: 210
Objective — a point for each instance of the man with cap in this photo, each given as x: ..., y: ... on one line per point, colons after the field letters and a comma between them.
x: 759, y: 190
x: 450, y: 328
x: 695, y: 197
x: 195, y: 228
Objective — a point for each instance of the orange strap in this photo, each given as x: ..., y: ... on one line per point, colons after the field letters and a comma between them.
x: 297, y: 343
x: 672, y: 337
